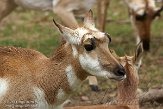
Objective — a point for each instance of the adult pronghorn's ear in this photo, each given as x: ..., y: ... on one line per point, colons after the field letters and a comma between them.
x: 89, y: 20
x: 63, y: 29
x: 158, y: 12
x: 138, y: 54
x: 67, y: 33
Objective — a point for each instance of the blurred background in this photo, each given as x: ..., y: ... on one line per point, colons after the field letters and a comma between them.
x: 35, y: 29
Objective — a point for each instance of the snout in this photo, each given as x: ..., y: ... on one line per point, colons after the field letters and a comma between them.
x: 120, y: 72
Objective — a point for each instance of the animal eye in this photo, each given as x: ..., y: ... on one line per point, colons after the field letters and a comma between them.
x: 141, y: 17
x: 108, y: 35
x: 91, y: 45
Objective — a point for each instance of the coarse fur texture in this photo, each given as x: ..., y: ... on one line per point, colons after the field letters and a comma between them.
x: 28, y: 79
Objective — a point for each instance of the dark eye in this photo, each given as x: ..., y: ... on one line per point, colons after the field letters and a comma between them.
x: 141, y: 17
x: 90, y: 46
x: 108, y: 35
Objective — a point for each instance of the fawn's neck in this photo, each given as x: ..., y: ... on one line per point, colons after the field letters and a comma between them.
x: 127, y: 90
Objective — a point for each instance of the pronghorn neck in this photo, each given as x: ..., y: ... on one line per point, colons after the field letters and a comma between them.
x: 67, y: 55
x: 68, y: 77
x: 127, y: 89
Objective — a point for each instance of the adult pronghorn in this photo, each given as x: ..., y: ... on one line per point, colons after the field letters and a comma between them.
x: 65, y: 9
x: 142, y: 13
x: 127, y: 89
x: 30, y: 79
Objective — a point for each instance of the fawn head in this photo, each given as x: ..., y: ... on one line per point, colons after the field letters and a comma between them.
x: 131, y: 65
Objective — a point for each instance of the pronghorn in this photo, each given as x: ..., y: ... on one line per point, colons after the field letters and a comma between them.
x: 127, y: 96
x: 127, y: 89
x: 65, y: 9
x: 142, y: 13
x: 27, y: 76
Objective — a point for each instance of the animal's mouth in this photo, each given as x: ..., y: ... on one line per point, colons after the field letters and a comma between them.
x: 118, y: 78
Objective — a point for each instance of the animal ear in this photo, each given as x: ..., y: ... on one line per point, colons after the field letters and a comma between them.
x: 89, y: 20
x: 138, y: 54
x: 158, y: 12
x: 67, y: 33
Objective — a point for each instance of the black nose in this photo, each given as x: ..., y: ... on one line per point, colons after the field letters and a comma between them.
x: 120, y: 71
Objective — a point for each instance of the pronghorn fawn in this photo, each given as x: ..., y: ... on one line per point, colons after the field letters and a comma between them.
x: 127, y: 89
x: 30, y: 80
x: 127, y: 97
x: 142, y: 13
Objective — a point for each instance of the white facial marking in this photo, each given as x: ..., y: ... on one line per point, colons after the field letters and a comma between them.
x: 72, y: 78
x: 3, y: 87
x: 136, y: 6
x: 40, y: 99
x: 74, y: 51
x: 92, y: 65
x: 78, y: 34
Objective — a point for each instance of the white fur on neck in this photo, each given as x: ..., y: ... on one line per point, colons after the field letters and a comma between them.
x: 3, y: 87
x: 72, y: 78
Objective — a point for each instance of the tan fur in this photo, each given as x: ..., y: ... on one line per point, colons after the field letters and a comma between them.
x: 127, y: 89
x: 25, y: 68
x: 99, y: 107
x: 65, y: 9
x: 27, y: 75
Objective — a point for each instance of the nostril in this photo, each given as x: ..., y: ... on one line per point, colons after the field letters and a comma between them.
x: 120, y: 71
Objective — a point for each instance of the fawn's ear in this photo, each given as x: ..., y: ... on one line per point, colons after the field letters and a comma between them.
x: 67, y: 33
x: 138, y: 54
x: 89, y: 20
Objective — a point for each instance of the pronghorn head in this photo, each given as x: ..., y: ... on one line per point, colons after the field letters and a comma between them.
x: 132, y: 63
x: 90, y: 48
x: 142, y: 13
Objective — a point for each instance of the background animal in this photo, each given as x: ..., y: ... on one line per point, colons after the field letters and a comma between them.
x: 142, y: 13
x: 66, y: 10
